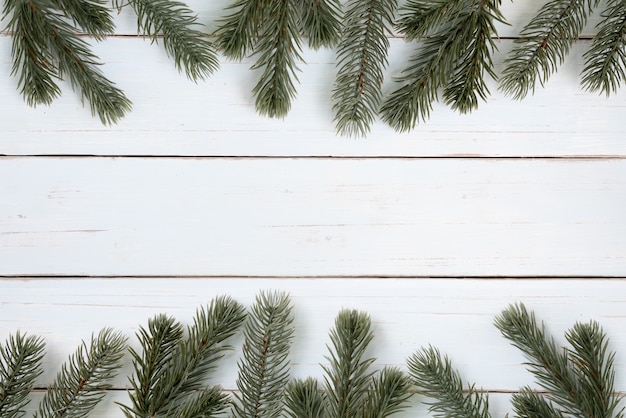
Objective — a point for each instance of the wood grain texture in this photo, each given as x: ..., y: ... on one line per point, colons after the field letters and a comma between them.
x: 454, y: 315
x: 313, y: 217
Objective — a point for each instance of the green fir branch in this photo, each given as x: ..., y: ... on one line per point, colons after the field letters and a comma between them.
x: 92, y: 16
x: 171, y: 369
x: 545, y: 43
x: 361, y: 59
x: 388, y: 394
x: 347, y: 376
x: 530, y: 404
x: 45, y: 47
x: 321, y: 22
x: 278, y: 48
x: 455, y: 54
x: 239, y: 30
x: 594, y: 370
x: 207, y: 403
x: 33, y: 59
x: 546, y: 362
x: 80, y: 384
x: 190, y: 48
x: 264, y: 367
x: 303, y: 399
x: 436, y: 378
x: 605, y: 61
x: 20, y: 364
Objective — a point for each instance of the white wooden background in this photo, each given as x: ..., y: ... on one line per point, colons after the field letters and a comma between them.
x: 193, y: 195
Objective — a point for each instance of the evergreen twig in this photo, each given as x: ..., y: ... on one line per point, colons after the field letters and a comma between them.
x: 388, y: 393
x: 436, y: 378
x: 528, y: 403
x: 579, y: 380
x: 321, y: 21
x: 171, y: 369
x: 47, y: 47
x: 303, y: 399
x: 347, y: 377
x: 20, y: 365
x: 264, y: 367
x: 457, y: 42
x: 190, y: 48
x: 605, y: 61
x: 361, y: 59
x: 92, y: 16
x: 80, y: 384
x: 278, y: 48
x: 544, y: 44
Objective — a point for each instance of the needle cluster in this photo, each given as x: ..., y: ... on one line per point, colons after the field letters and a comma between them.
x: 352, y: 389
x: 171, y: 368
x: 264, y: 366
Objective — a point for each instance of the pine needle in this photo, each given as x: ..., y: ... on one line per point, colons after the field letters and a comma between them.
x: 455, y: 54
x: 171, y: 369
x: 321, y: 22
x: 361, y: 59
x: 264, y: 367
x: 190, y: 48
x: 605, y: 61
x: 436, y: 378
x: 388, y: 394
x: 303, y: 399
x: 80, y: 384
x: 348, y: 377
x: 544, y: 44
x: 20, y: 364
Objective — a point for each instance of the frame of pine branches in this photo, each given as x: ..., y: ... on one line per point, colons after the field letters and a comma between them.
x: 453, y: 45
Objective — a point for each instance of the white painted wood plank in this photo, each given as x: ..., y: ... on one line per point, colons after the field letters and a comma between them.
x: 454, y: 315
x: 416, y: 217
x: 173, y: 116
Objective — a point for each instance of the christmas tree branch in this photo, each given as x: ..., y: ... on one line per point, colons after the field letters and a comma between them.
x: 20, y: 365
x: 92, y: 16
x: 79, y: 386
x: 361, y: 59
x: 455, y: 54
x: 347, y: 377
x: 543, y: 45
x: 171, y: 369
x: 192, y: 52
x: 388, y: 394
x: 278, y: 49
x: 435, y: 378
x: 303, y: 399
x: 605, y: 61
x: 264, y: 367
x: 321, y: 21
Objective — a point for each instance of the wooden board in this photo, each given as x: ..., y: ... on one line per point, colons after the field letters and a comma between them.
x: 312, y: 217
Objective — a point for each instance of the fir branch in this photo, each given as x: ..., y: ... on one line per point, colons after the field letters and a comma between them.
x: 529, y: 404
x: 264, y: 367
x: 191, y: 50
x: 347, y: 377
x: 303, y: 399
x: 548, y: 364
x: 159, y: 343
x: 467, y: 83
x: 170, y: 373
x: 605, y: 61
x: 544, y: 44
x: 33, y: 60
x: 46, y: 46
x: 361, y: 59
x: 436, y: 378
x: 321, y: 22
x: 20, y: 365
x: 456, y: 55
x: 92, y: 16
x: 278, y: 48
x: 388, y: 394
x: 594, y: 370
x: 238, y: 31
x: 210, y: 402
x: 79, y: 386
